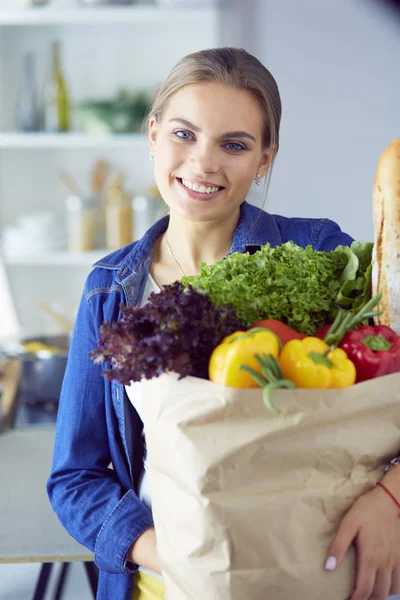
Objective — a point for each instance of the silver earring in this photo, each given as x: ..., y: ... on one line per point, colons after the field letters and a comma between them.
x: 152, y: 156
x: 257, y: 181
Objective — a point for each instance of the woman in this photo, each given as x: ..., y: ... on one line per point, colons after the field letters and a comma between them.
x: 213, y: 130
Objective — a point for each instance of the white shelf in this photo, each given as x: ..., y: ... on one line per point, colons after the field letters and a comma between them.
x: 97, y: 15
x: 59, y: 258
x: 69, y: 140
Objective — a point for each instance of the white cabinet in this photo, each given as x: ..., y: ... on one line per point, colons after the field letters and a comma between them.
x: 103, y: 50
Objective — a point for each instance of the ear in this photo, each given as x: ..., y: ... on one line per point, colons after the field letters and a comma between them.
x: 267, y: 157
x: 153, y: 128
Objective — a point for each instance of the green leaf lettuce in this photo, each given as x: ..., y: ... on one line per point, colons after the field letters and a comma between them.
x: 299, y: 286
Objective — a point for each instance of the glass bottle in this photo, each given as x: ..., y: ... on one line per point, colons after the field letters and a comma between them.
x: 27, y: 109
x: 56, y: 111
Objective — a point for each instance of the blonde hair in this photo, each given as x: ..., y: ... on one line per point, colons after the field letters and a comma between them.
x: 234, y: 67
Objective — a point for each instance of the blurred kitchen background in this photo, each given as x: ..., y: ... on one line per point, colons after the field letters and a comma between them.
x: 76, y: 79
x: 77, y: 182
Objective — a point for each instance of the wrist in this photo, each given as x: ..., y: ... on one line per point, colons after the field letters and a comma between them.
x: 390, y: 497
x: 143, y: 551
x: 391, y: 480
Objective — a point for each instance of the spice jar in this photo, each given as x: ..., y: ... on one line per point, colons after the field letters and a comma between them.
x: 82, y: 223
x: 147, y: 209
x: 118, y: 215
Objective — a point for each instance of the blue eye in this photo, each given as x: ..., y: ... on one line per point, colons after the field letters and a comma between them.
x: 235, y: 147
x: 183, y: 134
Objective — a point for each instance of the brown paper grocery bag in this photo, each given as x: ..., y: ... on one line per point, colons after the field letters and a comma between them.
x: 246, y: 502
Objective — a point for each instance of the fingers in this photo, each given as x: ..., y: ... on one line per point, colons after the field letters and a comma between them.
x: 375, y: 583
x: 395, y: 585
x: 365, y: 582
x: 381, y: 590
x: 345, y: 535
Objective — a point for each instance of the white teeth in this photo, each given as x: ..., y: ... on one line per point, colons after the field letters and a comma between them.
x: 199, y: 188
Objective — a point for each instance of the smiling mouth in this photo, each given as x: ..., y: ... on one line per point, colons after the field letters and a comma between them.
x: 202, y: 189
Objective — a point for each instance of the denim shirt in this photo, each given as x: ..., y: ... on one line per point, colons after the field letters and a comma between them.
x: 98, y: 453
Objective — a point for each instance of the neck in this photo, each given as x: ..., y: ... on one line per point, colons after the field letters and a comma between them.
x: 192, y: 243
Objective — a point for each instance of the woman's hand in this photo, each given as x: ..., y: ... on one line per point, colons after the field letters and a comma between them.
x: 373, y: 524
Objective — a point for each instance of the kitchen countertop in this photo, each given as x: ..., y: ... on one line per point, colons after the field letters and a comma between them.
x: 29, y: 529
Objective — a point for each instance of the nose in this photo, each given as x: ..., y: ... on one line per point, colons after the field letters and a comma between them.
x: 204, y: 158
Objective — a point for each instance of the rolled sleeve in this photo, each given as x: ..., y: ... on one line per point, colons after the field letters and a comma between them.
x: 122, y: 527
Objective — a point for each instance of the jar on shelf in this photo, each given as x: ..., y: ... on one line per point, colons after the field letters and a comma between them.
x: 147, y: 209
x: 82, y: 223
x: 118, y: 215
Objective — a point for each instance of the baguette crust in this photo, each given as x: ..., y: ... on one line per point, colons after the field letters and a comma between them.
x: 386, y: 252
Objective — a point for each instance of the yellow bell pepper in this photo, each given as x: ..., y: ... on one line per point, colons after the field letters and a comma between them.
x: 310, y: 364
x: 239, y: 349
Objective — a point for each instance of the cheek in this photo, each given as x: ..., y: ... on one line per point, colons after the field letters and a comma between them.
x: 243, y: 172
x: 164, y: 161
x: 166, y: 165
x: 169, y: 157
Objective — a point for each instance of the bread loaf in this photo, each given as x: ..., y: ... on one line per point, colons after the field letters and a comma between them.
x: 386, y: 253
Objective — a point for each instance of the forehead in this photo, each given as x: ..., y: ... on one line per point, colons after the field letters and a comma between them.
x: 216, y: 107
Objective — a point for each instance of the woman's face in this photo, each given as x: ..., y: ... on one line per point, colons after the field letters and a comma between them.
x: 208, y: 149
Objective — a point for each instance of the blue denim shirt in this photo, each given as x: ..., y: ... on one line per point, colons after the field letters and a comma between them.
x: 98, y: 427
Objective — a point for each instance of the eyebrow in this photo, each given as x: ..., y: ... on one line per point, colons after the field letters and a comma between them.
x: 225, y: 136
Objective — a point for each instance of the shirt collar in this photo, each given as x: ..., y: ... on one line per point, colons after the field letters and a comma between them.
x: 255, y: 228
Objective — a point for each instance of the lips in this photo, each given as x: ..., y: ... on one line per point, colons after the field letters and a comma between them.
x: 204, y: 187
x: 199, y: 195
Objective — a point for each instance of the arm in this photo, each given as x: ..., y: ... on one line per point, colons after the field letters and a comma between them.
x: 144, y: 551
x: 84, y: 491
x: 391, y: 480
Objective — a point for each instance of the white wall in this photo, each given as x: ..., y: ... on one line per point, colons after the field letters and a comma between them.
x: 337, y: 67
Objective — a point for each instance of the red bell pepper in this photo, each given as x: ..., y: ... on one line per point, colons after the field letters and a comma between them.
x: 283, y: 331
x: 322, y: 331
x: 375, y: 350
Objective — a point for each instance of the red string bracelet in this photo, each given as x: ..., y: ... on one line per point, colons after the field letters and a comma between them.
x: 389, y: 493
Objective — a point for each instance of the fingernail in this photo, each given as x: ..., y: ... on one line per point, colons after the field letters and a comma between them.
x: 331, y: 563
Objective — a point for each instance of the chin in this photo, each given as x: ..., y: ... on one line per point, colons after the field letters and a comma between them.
x: 203, y: 214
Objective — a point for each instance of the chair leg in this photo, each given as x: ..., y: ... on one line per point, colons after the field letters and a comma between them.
x: 43, y: 581
x: 61, y: 581
x: 92, y: 575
